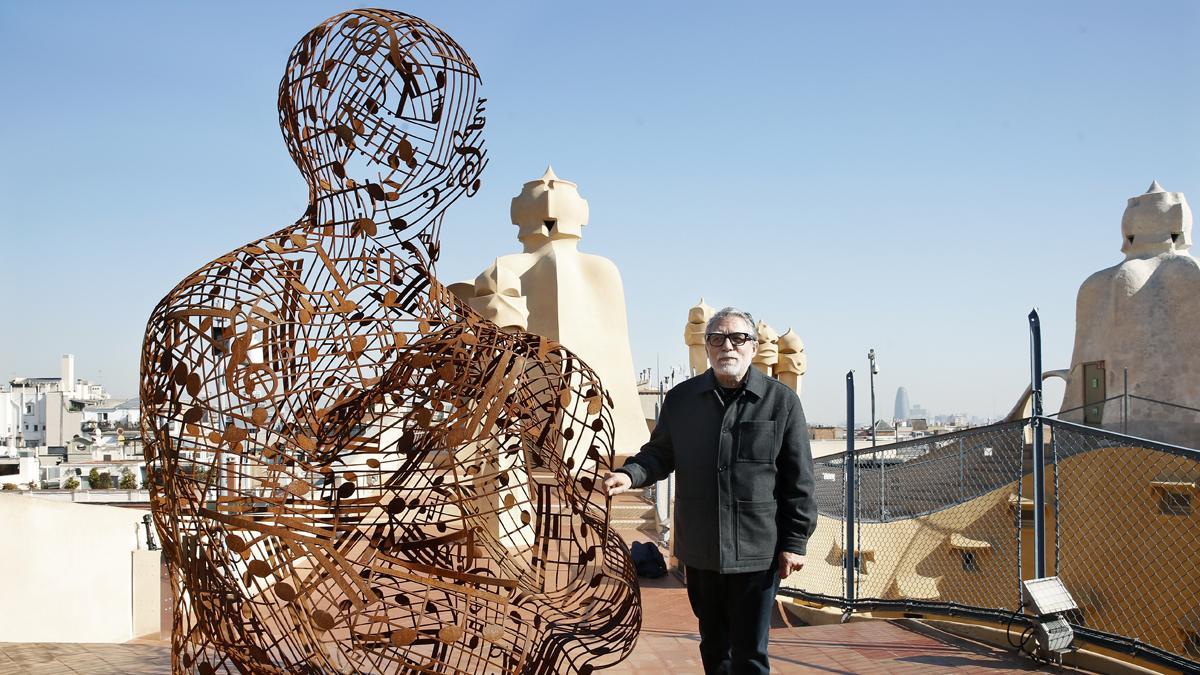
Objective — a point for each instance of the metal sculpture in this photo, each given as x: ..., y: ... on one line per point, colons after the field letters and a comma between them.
x: 351, y: 470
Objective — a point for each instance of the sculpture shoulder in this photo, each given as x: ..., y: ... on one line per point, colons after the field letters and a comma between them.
x: 600, y: 267
x: 264, y: 266
x: 1097, y: 284
x: 251, y: 278
x: 1101, y: 277
x: 1182, y: 267
x: 599, y: 262
x: 516, y: 262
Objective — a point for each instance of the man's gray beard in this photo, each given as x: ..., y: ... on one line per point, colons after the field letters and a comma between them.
x: 727, y: 371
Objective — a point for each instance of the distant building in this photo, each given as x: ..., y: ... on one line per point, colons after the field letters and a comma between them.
x: 113, y: 414
x: 47, y: 423
x: 902, y: 406
x: 916, y: 411
x: 882, y: 428
x: 824, y: 433
x: 44, y: 411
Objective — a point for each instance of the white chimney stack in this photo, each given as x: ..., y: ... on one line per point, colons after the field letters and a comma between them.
x: 68, y: 374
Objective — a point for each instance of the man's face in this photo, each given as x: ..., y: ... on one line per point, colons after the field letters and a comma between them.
x: 730, y: 363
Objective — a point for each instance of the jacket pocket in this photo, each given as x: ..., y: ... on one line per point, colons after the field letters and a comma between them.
x: 756, y: 441
x: 756, y: 534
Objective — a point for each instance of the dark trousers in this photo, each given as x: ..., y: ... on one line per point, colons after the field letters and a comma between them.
x: 735, y: 614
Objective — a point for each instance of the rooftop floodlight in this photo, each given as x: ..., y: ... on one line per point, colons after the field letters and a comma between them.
x: 1048, y: 598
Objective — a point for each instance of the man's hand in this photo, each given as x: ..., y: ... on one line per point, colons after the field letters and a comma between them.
x: 789, y: 562
x: 616, y: 482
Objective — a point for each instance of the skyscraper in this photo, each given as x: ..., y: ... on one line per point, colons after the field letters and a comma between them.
x: 902, y: 407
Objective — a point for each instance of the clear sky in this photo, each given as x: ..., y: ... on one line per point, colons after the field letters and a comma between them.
x: 907, y: 176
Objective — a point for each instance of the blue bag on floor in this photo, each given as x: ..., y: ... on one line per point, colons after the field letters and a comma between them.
x: 648, y: 560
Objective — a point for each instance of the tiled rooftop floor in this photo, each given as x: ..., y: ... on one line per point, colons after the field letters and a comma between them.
x: 668, y: 644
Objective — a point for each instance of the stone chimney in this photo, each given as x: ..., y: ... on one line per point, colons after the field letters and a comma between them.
x: 68, y: 374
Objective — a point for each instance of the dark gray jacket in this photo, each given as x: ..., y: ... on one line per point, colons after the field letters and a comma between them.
x: 743, y: 472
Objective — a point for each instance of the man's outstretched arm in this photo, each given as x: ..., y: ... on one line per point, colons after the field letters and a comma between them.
x: 654, y: 462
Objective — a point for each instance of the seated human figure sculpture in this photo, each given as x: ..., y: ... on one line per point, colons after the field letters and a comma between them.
x: 1143, y: 314
x: 342, y: 454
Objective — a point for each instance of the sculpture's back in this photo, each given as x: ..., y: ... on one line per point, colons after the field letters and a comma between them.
x: 1138, y: 325
x: 351, y: 471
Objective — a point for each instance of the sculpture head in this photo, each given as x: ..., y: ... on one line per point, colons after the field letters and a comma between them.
x: 381, y: 106
x: 547, y: 209
x: 768, y: 345
x: 700, y: 313
x: 1156, y: 222
x: 790, y: 343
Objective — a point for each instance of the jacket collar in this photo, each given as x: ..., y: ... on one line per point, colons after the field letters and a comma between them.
x: 755, y: 383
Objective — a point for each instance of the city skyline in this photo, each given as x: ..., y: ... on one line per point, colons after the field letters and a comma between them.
x: 909, y: 180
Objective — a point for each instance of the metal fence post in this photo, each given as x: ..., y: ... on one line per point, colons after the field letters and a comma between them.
x: 1125, y: 403
x: 1039, y: 450
x: 961, y: 471
x: 883, y: 512
x: 849, y: 467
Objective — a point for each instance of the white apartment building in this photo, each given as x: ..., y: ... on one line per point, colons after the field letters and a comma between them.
x: 45, y: 411
x: 111, y: 414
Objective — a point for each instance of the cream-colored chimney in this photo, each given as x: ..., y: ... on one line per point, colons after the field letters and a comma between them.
x: 68, y: 373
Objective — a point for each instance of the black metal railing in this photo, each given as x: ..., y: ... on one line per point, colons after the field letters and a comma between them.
x: 952, y: 524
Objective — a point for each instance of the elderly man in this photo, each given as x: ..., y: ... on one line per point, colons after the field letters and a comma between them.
x: 744, y: 507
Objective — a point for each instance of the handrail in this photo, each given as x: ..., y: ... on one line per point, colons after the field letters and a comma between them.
x: 1166, y: 403
x: 1181, y: 450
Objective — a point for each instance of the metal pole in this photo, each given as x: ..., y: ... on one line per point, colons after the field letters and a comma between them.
x: 150, y: 545
x: 1125, y: 405
x: 961, y: 477
x: 871, y: 358
x: 848, y: 560
x: 1039, y: 450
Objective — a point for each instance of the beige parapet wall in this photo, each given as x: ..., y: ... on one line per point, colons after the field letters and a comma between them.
x: 68, y: 572
x: 922, y: 558
x: 1133, y: 567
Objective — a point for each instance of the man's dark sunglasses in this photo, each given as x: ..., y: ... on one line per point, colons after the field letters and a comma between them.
x: 735, y: 339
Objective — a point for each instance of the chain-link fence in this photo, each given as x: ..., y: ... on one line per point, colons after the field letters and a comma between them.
x: 944, y: 524
x: 936, y: 525
x: 953, y: 523
x: 1128, y: 536
x: 937, y: 522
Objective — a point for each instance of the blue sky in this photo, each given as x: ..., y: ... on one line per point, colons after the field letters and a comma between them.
x: 907, y: 176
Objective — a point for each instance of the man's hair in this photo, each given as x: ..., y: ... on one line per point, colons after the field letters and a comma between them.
x: 730, y: 312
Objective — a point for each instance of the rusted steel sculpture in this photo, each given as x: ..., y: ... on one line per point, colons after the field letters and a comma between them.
x: 352, y: 471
